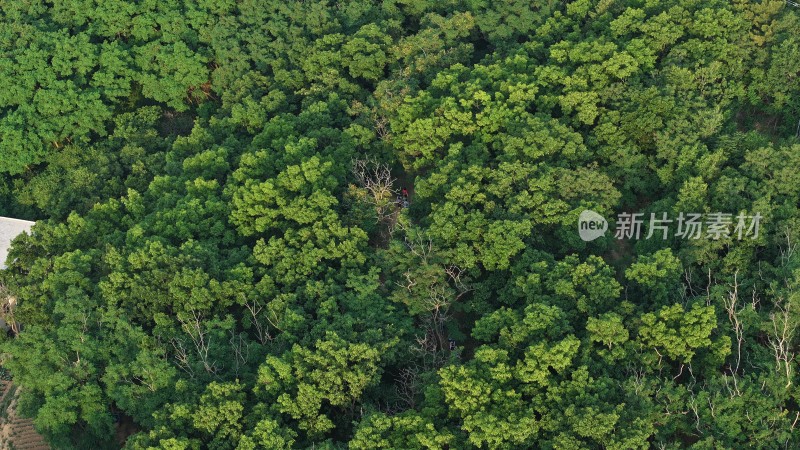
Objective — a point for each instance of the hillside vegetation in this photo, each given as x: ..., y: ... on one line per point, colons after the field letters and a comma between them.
x: 219, y: 261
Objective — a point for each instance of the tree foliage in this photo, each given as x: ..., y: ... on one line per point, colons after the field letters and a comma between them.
x: 208, y: 270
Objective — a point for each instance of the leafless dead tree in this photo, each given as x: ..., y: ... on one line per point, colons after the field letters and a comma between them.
x: 693, y: 406
x: 409, y: 283
x: 148, y: 374
x: 382, y: 127
x: 636, y: 376
x: 241, y: 351
x: 376, y: 179
x: 408, y: 387
x: 431, y: 353
x: 780, y: 340
x: 439, y: 302
x: 687, y: 276
x: 182, y: 357
x: 262, y: 333
x: 193, y: 326
x: 788, y: 252
x: 432, y: 345
x: 731, y: 306
x: 419, y: 243
x: 455, y: 272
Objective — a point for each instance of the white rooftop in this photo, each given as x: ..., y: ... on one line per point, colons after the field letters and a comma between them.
x: 9, y: 229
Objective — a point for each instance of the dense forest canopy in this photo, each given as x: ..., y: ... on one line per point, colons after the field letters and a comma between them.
x: 219, y: 260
